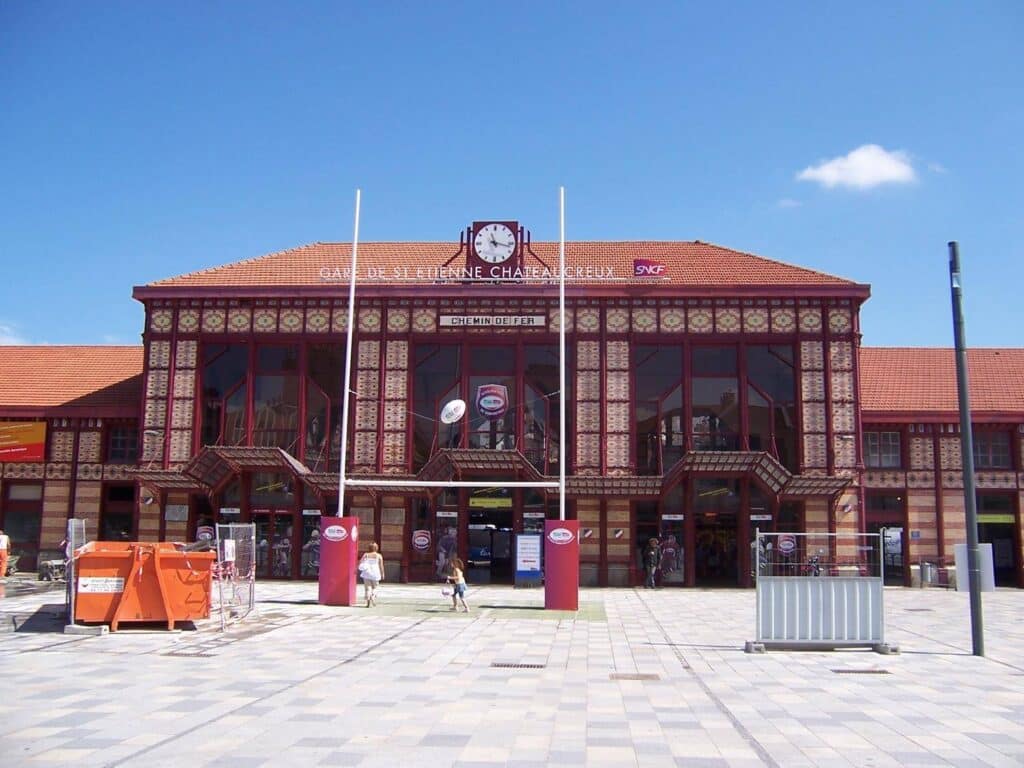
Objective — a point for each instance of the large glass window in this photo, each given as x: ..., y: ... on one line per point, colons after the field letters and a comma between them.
x: 991, y: 449
x: 541, y: 407
x: 715, y: 419
x: 658, y: 408
x: 325, y: 368
x: 771, y: 402
x: 435, y: 382
x: 882, y: 450
x: 276, y: 398
x: 224, y: 394
x: 492, y: 393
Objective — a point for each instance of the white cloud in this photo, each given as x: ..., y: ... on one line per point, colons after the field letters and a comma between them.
x: 865, y: 167
x: 788, y: 202
x: 10, y: 337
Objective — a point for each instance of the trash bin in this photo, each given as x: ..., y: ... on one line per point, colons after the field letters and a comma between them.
x: 119, y: 581
x: 929, y: 574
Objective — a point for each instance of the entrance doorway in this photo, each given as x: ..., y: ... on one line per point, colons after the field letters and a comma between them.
x: 716, y: 509
x: 490, y: 546
x: 274, y: 530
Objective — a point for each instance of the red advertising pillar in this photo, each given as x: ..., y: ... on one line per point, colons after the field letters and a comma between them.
x: 339, y: 555
x: 562, y: 565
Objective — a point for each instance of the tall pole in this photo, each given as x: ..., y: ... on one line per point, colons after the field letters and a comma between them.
x: 343, y: 443
x: 563, y: 452
x: 967, y: 449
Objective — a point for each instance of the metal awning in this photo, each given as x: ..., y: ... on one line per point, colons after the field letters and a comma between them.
x: 216, y: 464
x: 627, y: 485
x: 167, y: 480
x: 327, y: 483
x: 457, y: 463
x: 766, y: 468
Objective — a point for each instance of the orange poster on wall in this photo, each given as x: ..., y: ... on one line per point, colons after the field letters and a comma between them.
x: 22, y: 440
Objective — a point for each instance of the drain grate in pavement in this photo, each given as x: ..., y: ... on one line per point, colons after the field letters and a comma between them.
x: 919, y: 610
x: 190, y: 654
x: 861, y: 671
x: 510, y: 665
x: 633, y: 676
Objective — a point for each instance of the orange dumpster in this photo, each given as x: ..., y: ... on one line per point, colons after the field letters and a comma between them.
x: 128, y: 581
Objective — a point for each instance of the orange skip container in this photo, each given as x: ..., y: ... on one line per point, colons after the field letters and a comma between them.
x: 119, y: 581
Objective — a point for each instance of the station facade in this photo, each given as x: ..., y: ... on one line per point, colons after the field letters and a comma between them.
x: 711, y: 393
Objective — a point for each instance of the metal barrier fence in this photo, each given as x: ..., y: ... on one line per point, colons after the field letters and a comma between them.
x: 73, y: 539
x: 819, y: 589
x: 234, y: 573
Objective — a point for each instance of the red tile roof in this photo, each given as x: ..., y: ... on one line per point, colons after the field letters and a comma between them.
x: 688, y: 264
x: 71, y: 380
x: 903, y: 379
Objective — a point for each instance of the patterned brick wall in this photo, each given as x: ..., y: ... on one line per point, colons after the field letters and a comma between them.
x: 954, y: 519
x: 616, y: 406
x: 87, y: 504
x: 392, y: 528
x: 176, y: 531
x: 56, y: 495
x: 368, y: 389
x: 588, y: 512
x: 921, y: 516
x: 620, y: 550
x: 812, y: 388
x: 395, y: 395
x: 588, y: 406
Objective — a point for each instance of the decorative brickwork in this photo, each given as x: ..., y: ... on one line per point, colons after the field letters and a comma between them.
x: 62, y: 445
x: 161, y: 320
x: 783, y: 319
x: 617, y: 320
x: 89, y: 446
x: 188, y: 320
x: 922, y: 453
x: 673, y: 320
x: 369, y: 320
x: 290, y: 320
x: 214, y: 320
x: 755, y: 319
x: 949, y: 453
x: 239, y: 320
x: 810, y: 319
x: 699, y: 320
x: 727, y: 319
x: 645, y: 320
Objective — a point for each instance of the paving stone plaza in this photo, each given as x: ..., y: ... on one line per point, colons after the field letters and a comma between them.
x: 636, y: 678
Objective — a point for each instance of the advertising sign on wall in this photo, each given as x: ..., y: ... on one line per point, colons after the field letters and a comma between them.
x: 22, y: 441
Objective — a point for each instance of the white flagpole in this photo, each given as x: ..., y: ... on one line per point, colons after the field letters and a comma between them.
x: 563, y: 453
x: 345, y: 392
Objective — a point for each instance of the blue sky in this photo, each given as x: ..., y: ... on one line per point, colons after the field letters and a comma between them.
x: 144, y: 140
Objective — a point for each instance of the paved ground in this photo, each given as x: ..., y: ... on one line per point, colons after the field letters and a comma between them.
x: 638, y: 678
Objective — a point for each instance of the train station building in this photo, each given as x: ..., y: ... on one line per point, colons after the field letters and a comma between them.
x: 711, y: 393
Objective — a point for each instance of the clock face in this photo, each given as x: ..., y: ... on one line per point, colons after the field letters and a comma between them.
x: 494, y: 243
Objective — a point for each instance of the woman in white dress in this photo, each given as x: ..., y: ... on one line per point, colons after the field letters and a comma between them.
x: 371, y: 571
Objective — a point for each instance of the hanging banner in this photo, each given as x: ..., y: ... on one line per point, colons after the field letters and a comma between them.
x: 492, y: 400
x: 22, y: 441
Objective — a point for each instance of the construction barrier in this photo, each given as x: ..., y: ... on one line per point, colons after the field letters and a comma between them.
x: 118, y: 581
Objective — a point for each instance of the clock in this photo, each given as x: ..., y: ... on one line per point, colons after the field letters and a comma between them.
x: 494, y: 243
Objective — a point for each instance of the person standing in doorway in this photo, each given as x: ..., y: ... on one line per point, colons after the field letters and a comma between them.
x: 371, y: 571
x: 458, y: 581
x: 652, y: 561
x: 5, y: 551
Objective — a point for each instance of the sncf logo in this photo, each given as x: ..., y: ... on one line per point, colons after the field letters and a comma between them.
x: 647, y: 268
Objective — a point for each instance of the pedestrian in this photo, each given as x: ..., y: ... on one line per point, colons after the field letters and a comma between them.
x: 371, y: 571
x: 5, y: 551
x: 652, y: 561
x: 458, y: 580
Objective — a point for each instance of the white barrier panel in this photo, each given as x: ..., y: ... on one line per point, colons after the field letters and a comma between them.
x: 812, y: 610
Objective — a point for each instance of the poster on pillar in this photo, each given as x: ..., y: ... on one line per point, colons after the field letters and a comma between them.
x: 561, y: 565
x: 339, y: 553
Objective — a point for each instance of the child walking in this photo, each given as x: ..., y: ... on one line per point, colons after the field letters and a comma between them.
x: 458, y: 580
